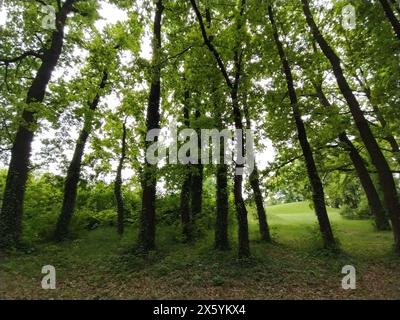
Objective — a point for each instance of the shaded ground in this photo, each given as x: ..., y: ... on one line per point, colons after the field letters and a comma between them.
x: 99, y: 266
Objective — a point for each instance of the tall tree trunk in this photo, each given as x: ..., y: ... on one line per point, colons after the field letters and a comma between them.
x: 258, y: 198
x: 221, y: 223
x: 255, y: 185
x: 185, y: 209
x: 12, y: 206
x: 71, y: 182
x: 241, y: 212
x: 221, y: 241
x: 391, y: 17
x: 118, y: 184
x: 377, y: 157
x: 147, y: 221
x: 197, y: 181
x: 374, y: 202
x: 315, y: 180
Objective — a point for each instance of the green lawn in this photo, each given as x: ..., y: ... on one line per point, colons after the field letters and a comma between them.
x: 101, y: 265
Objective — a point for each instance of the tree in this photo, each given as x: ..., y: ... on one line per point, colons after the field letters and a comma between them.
x: 12, y: 206
x: 241, y: 212
x: 118, y: 183
x: 147, y: 224
x: 377, y: 157
x: 315, y: 181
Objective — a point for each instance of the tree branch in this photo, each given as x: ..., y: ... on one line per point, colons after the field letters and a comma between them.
x: 24, y: 55
x: 209, y: 44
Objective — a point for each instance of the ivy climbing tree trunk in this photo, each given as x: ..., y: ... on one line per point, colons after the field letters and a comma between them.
x: 12, y: 207
x: 374, y: 202
x: 71, y: 182
x: 147, y: 221
x: 118, y: 184
x: 314, y: 178
x: 372, y: 146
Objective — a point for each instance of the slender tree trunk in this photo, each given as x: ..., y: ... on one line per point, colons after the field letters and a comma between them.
x: 221, y: 241
x: 374, y: 202
x: 241, y: 212
x: 118, y: 185
x: 147, y: 221
x: 258, y: 198
x: 12, y: 206
x: 315, y: 181
x: 391, y: 17
x: 255, y: 185
x: 71, y: 182
x: 197, y: 181
x: 185, y: 209
x: 377, y: 157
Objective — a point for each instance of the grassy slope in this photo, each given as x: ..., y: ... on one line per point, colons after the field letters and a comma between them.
x: 100, y: 266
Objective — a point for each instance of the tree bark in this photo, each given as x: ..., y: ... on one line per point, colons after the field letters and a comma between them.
x: 118, y: 185
x: 221, y: 224
x: 391, y: 17
x: 377, y: 157
x: 241, y: 212
x: 374, y: 202
x: 221, y: 241
x: 265, y: 235
x: 315, y: 180
x: 71, y: 182
x: 185, y: 208
x: 12, y: 207
x: 147, y: 221
x: 197, y: 181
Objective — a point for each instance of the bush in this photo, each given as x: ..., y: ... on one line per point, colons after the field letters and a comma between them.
x: 362, y: 212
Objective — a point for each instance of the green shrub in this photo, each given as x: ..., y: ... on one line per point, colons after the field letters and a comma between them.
x: 361, y: 212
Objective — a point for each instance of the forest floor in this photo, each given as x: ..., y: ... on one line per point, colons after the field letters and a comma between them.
x: 99, y: 266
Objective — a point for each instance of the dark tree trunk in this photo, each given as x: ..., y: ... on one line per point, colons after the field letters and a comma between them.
x: 315, y: 181
x: 391, y: 17
x: 118, y: 185
x: 241, y: 212
x: 147, y: 221
x: 221, y: 241
x: 374, y: 202
x: 187, y: 231
x: 255, y: 185
x: 12, y: 206
x: 71, y: 182
x: 377, y: 157
x: 197, y: 182
x: 258, y: 198
x: 221, y: 225
x: 185, y: 209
